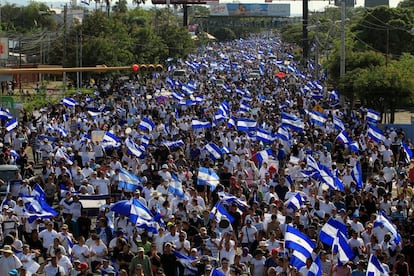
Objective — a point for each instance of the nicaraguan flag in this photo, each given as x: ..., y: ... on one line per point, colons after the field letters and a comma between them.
x: 177, y: 96
x: 327, y: 177
x: 375, y: 267
x: 382, y: 219
x: 214, y: 150
x: 145, y: 141
x: 134, y: 148
x: 373, y: 116
x: 12, y: 124
x: 229, y: 199
x: 356, y: 174
x: 69, y: 102
x: 311, y: 162
x: 198, y: 124
x: 264, y: 136
x: 375, y: 134
x: 330, y: 230
x: 342, y: 248
x: 207, y: 177
x: 300, y: 243
x: 62, y: 131
x: 292, y: 122
x: 339, y: 125
x: 318, y: 118
x: 94, y: 112
x: 5, y: 115
x: 61, y: 155
x: 231, y: 123
x: 246, y: 125
x: 14, y: 154
x: 224, y: 108
x: 244, y: 107
x: 264, y: 155
x: 316, y: 267
x: 283, y: 134
x: 176, y: 187
x: 354, y: 146
x: 334, y: 95
x: 128, y: 181
x: 139, y: 212
x: 343, y: 137
x: 174, y: 144
x: 147, y: 124
x: 186, y: 261
x: 38, y: 191
x: 37, y: 207
x: 295, y: 202
x: 407, y: 152
x: 219, y: 212
x: 111, y: 139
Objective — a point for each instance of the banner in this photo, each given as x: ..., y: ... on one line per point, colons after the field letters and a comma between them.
x: 240, y: 9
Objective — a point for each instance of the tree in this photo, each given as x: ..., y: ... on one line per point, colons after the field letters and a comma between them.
x: 120, y: 7
x: 224, y: 34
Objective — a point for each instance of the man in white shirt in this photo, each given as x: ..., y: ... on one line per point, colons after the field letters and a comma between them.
x: 47, y: 236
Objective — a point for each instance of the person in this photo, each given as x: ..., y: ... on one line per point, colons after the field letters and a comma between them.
x: 51, y: 268
x: 400, y: 267
x: 140, y: 259
x: 168, y: 260
x: 84, y: 269
x: 97, y: 251
x: 8, y: 261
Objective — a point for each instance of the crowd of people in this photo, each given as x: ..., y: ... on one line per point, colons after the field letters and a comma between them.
x: 263, y: 169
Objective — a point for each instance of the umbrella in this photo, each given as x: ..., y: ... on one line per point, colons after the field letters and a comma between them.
x: 122, y: 207
x: 281, y: 75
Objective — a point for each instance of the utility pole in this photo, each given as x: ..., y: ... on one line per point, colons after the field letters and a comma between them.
x: 65, y: 15
x: 305, y: 39
x: 80, y: 58
x: 342, y: 56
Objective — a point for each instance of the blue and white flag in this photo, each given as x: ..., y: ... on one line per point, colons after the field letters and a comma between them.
x: 139, y: 212
x: 37, y: 207
x: 292, y: 122
x: 199, y: 124
x: 134, y: 148
x: 145, y: 141
x: 354, y: 146
x: 375, y: 134
x: 342, y: 248
x: 94, y: 112
x: 146, y: 124
x: 264, y: 136
x: 207, y: 177
x: 111, y: 139
x: 224, y: 108
x: 339, y: 125
x: 375, y: 267
x: 14, y: 154
x: 174, y: 144
x: 356, y: 174
x: 264, y: 155
x: 61, y: 155
x: 343, y: 137
x: 176, y: 186
x: 186, y: 261
x: 407, y: 152
x: 382, y: 219
x: 12, y: 124
x: 231, y: 123
x: 300, y: 243
x: 283, y: 134
x: 62, y: 131
x: 214, y: 150
x: 295, y: 202
x: 316, y: 267
x: 230, y: 199
x: 330, y: 230
x: 244, y: 107
x: 218, y: 212
x: 5, y: 115
x: 373, y: 116
x: 317, y: 118
x: 128, y: 181
x: 38, y: 191
x: 327, y: 177
x: 246, y: 125
x: 69, y: 102
x: 177, y: 96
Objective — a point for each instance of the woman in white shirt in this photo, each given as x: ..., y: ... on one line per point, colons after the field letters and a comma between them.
x: 80, y: 251
x: 257, y: 263
x: 97, y: 251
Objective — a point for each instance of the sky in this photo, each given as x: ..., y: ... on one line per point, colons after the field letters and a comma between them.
x: 295, y: 6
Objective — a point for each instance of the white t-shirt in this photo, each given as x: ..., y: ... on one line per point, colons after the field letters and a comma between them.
x: 258, y: 265
x: 47, y: 237
x: 77, y: 251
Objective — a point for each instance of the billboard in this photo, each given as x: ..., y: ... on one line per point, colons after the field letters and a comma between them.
x: 173, y: 2
x: 239, y: 9
x: 375, y: 3
x: 4, y: 48
x: 348, y: 3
